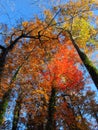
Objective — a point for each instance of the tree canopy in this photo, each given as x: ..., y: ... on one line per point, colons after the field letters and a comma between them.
x: 41, y: 60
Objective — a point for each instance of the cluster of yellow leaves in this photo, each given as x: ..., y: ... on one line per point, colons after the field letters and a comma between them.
x: 81, y: 29
x: 77, y: 16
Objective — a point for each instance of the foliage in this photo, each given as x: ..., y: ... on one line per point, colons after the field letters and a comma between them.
x: 41, y: 59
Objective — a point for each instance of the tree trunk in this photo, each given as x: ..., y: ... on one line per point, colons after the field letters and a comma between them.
x: 51, y: 110
x: 2, y: 61
x: 88, y: 64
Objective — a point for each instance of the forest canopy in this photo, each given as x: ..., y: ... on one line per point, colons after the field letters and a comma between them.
x: 43, y: 66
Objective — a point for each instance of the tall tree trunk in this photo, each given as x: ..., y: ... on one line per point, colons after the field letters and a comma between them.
x: 16, y: 112
x: 5, y: 52
x: 2, y: 61
x: 88, y: 64
x: 51, y: 110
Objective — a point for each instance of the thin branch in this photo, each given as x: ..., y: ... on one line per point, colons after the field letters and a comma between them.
x: 49, y: 37
x: 12, y: 43
x: 53, y: 18
x: 12, y: 37
x: 19, y: 67
x: 26, y: 36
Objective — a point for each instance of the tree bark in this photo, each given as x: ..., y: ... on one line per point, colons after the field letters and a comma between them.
x: 88, y: 64
x: 51, y: 110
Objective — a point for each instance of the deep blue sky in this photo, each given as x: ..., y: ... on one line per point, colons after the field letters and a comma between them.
x: 12, y: 10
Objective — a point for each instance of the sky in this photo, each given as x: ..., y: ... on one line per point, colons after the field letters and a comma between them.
x: 12, y: 11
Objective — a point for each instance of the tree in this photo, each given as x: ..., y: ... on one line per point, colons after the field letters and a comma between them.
x: 18, y: 52
x: 62, y: 75
x: 40, y: 57
x: 75, y: 18
x: 80, y: 103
